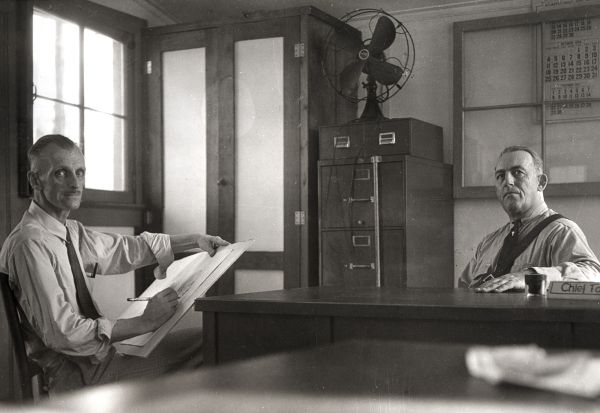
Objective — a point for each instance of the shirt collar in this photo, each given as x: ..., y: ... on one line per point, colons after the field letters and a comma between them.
x: 539, y: 210
x: 51, y: 224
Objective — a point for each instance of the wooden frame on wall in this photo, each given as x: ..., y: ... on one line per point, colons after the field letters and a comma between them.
x: 570, y: 180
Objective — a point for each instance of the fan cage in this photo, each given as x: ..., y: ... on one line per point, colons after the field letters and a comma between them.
x: 385, y: 92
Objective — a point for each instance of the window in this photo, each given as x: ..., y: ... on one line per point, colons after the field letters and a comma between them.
x: 83, y: 88
x: 529, y: 80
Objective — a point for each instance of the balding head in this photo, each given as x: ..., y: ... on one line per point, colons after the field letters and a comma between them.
x: 43, y: 145
x: 57, y: 175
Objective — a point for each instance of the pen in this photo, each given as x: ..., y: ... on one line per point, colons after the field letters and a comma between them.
x: 95, y: 270
x: 139, y: 299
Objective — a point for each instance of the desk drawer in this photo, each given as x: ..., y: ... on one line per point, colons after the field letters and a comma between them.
x: 347, y: 195
x: 387, y: 137
x: 348, y: 258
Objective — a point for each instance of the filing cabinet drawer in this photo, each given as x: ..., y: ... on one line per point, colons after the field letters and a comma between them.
x: 348, y: 195
x: 348, y: 258
x: 385, y: 137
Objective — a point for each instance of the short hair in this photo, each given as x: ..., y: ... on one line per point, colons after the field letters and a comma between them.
x: 538, y: 163
x: 34, y: 153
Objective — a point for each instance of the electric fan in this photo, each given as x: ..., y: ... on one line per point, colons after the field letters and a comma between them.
x: 381, y: 69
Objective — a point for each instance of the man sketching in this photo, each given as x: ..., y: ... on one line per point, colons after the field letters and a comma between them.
x: 51, y: 261
x: 536, y: 240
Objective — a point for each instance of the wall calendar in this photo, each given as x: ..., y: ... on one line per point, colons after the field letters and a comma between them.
x: 571, y: 69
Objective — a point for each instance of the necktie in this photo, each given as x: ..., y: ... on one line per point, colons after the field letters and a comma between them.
x: 502, y: 265
x: 84, y: 300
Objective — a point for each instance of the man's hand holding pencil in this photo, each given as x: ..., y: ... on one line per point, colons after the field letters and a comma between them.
x: 160, y: 307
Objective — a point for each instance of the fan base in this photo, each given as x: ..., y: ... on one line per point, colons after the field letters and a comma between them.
x: 371, y: 112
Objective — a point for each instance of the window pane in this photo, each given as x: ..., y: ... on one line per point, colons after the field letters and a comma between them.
x: 499, y: 66
x: 572, y: 152
x: 487, y: 132
x: 259, y: 142
x: 184, y: 112
x: 104, y: 152
x: 56, y: 58
x: 53, y: 117
x: 103, y: 73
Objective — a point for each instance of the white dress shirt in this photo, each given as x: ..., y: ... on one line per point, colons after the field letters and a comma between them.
x: 35, y: 257
x: 560, y: 251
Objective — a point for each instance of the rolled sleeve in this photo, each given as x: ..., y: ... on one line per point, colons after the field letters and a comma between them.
x: 571, y: 255
x: 160, y: 244
x: 551, y: 273
x: 105, y: 328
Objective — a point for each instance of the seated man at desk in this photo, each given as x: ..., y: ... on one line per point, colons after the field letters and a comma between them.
x: 46, y: 257
x: 536, y: 240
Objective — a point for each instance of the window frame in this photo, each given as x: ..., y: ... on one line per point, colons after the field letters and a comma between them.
x: 459, y: 108
x: 127, y: 30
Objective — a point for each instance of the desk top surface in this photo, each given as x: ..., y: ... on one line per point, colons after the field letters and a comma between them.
x: 414, y: 303
x: 357, y: 376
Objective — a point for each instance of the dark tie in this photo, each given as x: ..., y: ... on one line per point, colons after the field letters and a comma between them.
x: 84, y: 300
x: 504, y: 264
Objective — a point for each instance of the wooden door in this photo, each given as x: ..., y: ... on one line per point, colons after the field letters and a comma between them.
x: 258, y: 184
x: 252, y: 151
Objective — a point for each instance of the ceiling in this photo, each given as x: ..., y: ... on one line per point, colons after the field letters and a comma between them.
x: 185, y: 11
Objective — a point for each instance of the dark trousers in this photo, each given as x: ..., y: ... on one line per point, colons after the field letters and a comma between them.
x: 179, y: 350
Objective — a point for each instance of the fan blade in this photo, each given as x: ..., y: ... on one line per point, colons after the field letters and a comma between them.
x: 384, y: 72
x: 349, y: 76
x: 383, y: 36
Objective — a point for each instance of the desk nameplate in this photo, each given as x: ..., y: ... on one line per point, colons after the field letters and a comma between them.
x: 574, y: 290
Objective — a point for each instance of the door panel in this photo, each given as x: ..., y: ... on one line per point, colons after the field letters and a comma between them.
x: 178, y: 147
x: 260, y: 168
x: 184, y: 135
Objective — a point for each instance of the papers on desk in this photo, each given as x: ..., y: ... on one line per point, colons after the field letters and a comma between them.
x: 572, y: 372
x: 191, y: 277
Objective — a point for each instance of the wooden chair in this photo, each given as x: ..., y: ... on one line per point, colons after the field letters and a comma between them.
x: 27, y: 372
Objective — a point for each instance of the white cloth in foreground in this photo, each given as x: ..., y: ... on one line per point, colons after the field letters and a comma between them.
x: 572, y: 372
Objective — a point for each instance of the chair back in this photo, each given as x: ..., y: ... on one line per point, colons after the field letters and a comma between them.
x: 24, y: 369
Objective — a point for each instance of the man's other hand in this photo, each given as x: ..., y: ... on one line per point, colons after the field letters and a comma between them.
x: 506, y: 282
x: 160, y: 308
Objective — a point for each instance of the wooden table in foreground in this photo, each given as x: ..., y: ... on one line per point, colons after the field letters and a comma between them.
x: 245, y: 325
x: 353, y: 376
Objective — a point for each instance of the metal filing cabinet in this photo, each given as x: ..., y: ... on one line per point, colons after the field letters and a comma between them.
x: 385, y: 205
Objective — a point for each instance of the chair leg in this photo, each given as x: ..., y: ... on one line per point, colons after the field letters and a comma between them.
x: 40, y: 390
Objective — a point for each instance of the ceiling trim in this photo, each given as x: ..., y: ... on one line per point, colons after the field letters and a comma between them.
x: 461, y: 8
x: 159, y: 12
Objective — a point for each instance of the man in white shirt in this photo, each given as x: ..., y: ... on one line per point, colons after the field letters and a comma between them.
x: 560, y: 250
x: 46, y: 256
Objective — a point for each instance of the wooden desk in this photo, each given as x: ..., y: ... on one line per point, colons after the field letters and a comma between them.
x: 244, y: 325
x: 354, y: 376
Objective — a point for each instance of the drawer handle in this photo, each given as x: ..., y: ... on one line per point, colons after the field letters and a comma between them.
x: 387, y: 138
x: 351, y: 200
x: 341, y: 141
x: 351, y: 266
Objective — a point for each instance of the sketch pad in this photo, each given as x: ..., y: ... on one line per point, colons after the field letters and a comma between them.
x: 191, y: 277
